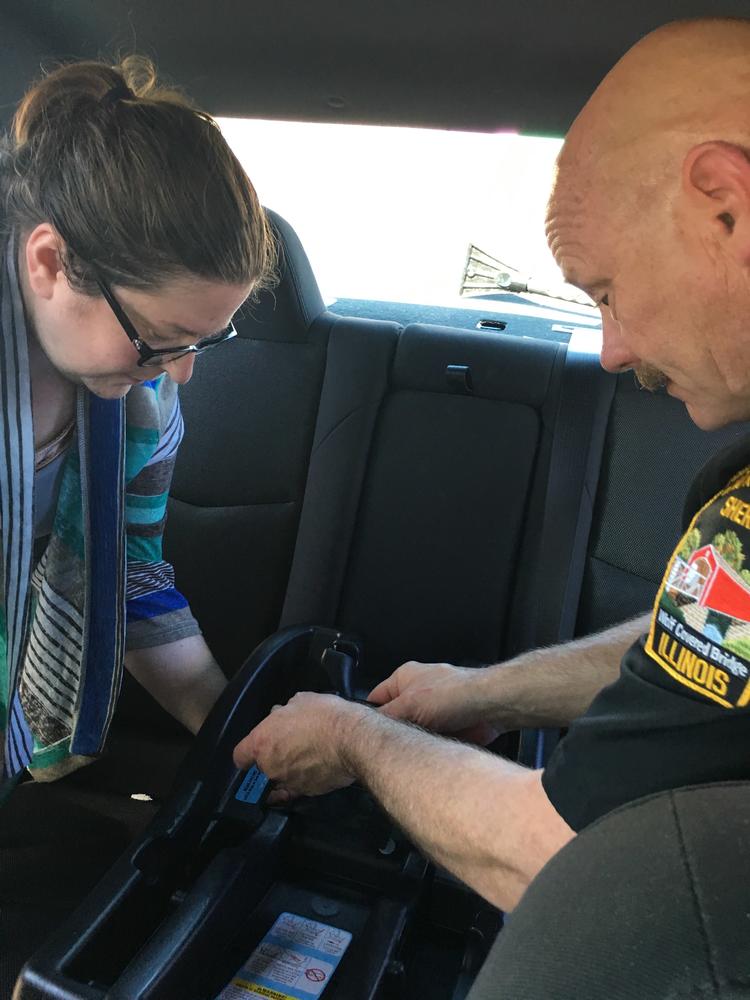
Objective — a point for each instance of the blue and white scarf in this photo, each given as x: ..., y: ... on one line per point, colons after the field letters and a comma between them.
x: 63, y: 622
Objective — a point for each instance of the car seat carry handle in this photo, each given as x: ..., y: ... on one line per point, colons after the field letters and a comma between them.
x: 275, y: 671
x: 270, y: 676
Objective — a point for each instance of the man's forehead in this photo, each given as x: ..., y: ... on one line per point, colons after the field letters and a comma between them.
x: 622, y: 159
x: 574, y: 227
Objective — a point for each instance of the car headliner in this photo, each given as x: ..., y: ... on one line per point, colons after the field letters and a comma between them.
x: 484, y: 65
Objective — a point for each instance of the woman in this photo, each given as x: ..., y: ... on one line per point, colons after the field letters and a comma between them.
x: 130, y: 237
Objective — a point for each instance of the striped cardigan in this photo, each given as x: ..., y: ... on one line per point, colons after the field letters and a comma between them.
x: 101, y: 586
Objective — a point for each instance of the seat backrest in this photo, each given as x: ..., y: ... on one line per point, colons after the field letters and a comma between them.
x: 417, y: 552
x: 665, y: 908
x: 250, y: 412
x: 651, y: 454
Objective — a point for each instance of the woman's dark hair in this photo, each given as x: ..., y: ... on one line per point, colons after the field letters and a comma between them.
x: 140, y: 185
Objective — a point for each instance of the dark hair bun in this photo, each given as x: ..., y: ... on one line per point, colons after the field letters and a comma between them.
x: 139, y: 184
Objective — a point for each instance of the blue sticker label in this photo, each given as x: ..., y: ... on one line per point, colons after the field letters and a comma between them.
x: 253, y: 785
x: 294, y: 961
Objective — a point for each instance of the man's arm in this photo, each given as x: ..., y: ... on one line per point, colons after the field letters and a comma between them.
x: 553, y: 686
x: 483, y: 818
x: 182, y: 676
x: 544, y: 687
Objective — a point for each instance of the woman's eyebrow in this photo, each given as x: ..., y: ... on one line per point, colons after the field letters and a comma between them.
x: 167, y: 331
x: 174, y: 329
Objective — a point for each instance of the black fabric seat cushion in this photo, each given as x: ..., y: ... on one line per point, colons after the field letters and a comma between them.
x: 433, y: 558
x: 417, y: 553
x: 652, y: 452
x: 651, y: 902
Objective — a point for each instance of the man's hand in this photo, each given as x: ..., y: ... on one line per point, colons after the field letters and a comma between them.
x: 299, y: 746
x: 483, y: 818
x: 439, y: 697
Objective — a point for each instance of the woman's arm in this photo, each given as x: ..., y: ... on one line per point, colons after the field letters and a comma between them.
x: 182, y: 676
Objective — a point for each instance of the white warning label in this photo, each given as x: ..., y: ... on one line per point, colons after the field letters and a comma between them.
x: 294, y: 961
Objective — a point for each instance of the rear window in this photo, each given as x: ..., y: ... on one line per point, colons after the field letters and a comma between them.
x: 390, y: 213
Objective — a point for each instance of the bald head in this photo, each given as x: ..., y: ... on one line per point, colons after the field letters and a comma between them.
x: 650, y: 214
x: 682, y: 84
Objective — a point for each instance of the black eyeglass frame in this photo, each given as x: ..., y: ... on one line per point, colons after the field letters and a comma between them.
x: 146, y: 353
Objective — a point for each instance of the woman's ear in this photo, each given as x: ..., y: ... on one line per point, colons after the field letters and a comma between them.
x: 42, y: 258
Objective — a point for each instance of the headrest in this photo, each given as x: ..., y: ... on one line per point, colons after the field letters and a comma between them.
x: 651, y: 901
x: 514, y: 369
x: 285, y: 312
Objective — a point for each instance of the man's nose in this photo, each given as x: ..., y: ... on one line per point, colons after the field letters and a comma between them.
x: 181, y: 369
x: 615, y: 356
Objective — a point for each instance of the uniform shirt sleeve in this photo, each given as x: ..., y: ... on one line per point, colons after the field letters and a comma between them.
x: 157, y: 613
x: 641, y: 736
x: 679, y: 714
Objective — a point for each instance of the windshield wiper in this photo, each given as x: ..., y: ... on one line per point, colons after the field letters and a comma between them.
x: 486, y: 275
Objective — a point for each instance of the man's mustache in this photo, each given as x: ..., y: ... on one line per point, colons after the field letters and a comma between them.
x: 650, y: 378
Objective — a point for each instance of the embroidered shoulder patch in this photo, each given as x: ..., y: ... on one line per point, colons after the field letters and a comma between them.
x: 700, y: 628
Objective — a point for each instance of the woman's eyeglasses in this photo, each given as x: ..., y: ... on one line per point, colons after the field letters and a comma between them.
x: 149, y: 357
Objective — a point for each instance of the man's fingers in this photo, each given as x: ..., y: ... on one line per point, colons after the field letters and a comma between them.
x: 386, y: 691
x: 405, y: 677
x: 481, y: 734
x: 395, y: 709
x: 243, y: 755
x: 281, y: 796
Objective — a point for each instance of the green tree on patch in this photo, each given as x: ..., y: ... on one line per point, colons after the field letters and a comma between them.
x: 691, y: 543
x: 729, y: 547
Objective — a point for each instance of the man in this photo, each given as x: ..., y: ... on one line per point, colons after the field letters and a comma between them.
x: 650, y: 215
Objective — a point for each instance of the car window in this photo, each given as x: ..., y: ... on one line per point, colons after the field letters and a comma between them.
x: 389, y: 213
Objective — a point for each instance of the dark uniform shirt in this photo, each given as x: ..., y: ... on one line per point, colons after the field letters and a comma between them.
x: 679, y: 714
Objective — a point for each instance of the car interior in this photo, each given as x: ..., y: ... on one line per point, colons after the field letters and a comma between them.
x: 360, y: 484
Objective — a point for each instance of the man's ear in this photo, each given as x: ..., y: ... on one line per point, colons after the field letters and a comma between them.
x: 43, y: 264
x: 716, y: 180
